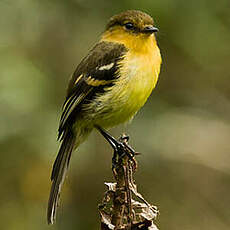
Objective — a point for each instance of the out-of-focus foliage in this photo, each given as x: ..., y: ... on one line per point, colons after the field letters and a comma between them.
x: 183, y: 131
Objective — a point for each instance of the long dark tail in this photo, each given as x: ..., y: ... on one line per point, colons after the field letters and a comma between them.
x: 58, y: 173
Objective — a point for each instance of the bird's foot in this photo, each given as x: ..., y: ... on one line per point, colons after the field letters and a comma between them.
x: 120, y: 147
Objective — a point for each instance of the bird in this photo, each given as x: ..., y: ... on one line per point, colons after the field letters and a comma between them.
x: 110, y: 84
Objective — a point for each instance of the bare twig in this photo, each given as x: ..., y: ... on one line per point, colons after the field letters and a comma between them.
x: 123, y: 208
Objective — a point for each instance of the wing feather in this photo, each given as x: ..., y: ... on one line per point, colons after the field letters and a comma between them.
x: 95, y: 72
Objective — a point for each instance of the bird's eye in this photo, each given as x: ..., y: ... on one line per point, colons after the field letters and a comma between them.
x: 129, y: 26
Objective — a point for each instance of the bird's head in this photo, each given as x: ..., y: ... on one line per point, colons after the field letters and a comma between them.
x: 130, y: 27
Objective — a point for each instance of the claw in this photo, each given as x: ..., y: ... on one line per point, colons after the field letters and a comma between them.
x: 116, y: 145
x: 120, y: 147
x: 125, y: 137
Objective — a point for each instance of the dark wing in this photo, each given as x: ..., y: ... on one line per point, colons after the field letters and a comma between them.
x: 93, y: 74
x: 96, y: 71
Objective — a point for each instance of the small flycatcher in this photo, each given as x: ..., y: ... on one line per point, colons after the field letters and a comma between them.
x: 107, y: 88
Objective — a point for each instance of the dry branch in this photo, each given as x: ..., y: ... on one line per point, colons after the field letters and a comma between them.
x: 122, y: 207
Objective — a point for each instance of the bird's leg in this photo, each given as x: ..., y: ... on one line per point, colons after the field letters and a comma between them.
x: 120, y: 146
x: 125, y: 138
x: 117, y: 146
x: 129, y: 151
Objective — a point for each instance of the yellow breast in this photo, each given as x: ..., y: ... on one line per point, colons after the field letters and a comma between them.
x: 139, y: 74
x: 139, y: 70
x: 138, y: 77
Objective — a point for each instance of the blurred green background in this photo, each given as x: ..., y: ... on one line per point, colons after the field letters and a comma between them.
x: 183, y: 132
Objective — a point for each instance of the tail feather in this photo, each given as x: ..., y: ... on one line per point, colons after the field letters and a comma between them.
x: 58, y: 174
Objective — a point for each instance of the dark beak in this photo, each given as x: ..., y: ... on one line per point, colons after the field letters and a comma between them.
x: 150, y: 30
